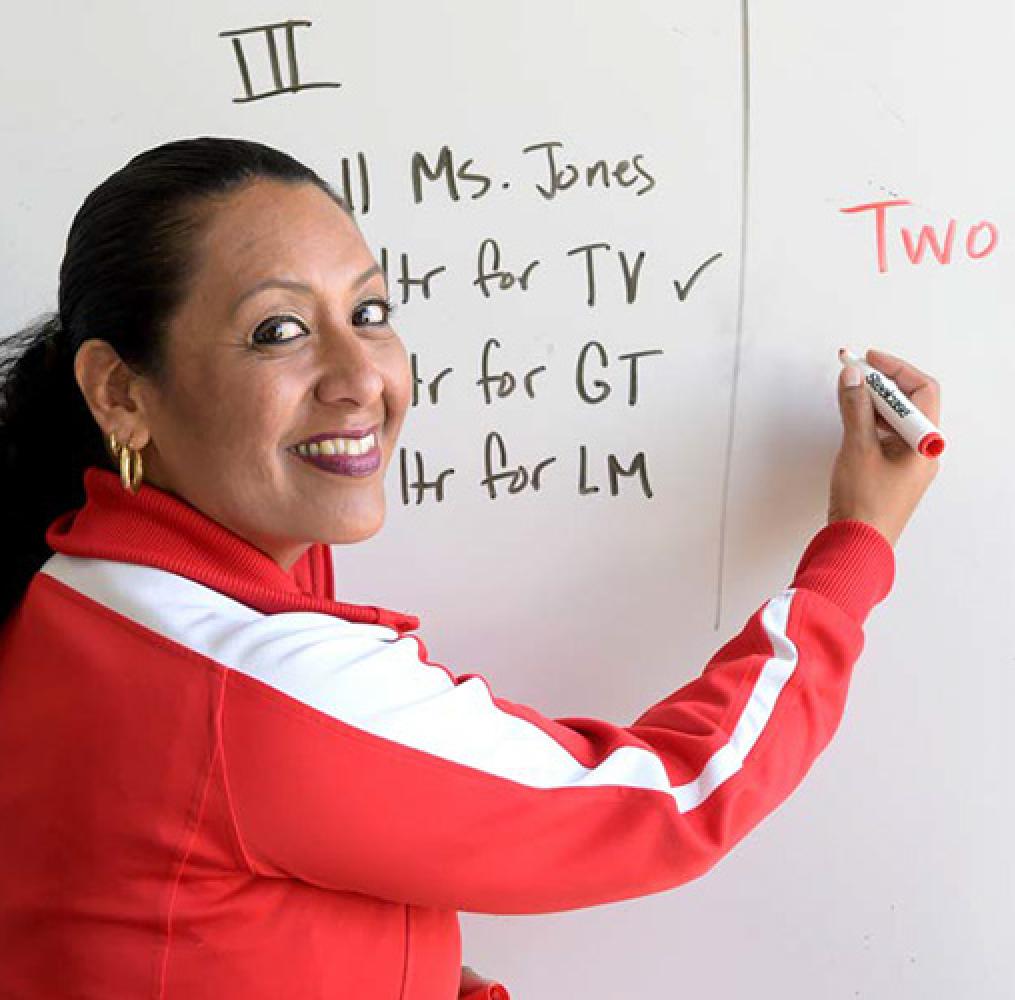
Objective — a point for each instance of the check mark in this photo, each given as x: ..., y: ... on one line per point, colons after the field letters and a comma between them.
x: 684, y: 290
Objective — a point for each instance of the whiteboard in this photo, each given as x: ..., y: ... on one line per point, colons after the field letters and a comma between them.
x: 705, y: 156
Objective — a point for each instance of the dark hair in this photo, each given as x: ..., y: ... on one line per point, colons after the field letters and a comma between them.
x: 124, y: 272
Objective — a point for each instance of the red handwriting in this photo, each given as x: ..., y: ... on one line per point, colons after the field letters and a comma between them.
x: 981, y: 238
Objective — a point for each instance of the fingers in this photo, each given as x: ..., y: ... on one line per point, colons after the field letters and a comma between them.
x: 920, y: 387
x: 857, y: 410
x: 906, y: 376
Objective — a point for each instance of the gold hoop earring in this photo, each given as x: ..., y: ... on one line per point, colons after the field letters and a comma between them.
x: 131, y: 469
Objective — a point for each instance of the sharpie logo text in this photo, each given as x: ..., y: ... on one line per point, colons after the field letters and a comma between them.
x: 875, y: 382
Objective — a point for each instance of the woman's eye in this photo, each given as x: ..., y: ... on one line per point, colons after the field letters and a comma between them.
x: 377, y: 311
x: 275, y: 323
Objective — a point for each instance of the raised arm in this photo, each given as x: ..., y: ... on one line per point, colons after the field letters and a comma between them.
x: 360, y: 765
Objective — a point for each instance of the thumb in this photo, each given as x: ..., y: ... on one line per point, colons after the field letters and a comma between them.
x: 857, y: 409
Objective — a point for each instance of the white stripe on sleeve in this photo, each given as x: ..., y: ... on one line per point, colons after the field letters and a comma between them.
x: 369, y: 678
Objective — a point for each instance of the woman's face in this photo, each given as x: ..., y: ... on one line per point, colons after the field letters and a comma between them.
x: 279, y: 262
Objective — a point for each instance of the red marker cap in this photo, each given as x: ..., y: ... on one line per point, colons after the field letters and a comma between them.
x: 931, y: 445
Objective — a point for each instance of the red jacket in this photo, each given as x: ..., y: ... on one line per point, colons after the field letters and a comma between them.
x: 218, y: 782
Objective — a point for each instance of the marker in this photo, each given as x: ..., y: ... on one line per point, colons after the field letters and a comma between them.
x: 895, y: 406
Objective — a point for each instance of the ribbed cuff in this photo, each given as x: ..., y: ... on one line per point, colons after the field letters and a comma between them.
x: 850, y: 563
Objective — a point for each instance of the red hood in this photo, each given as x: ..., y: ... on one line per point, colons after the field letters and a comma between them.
x: 156, y: 528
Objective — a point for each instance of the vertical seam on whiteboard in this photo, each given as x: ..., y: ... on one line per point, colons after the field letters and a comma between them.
x: 745, y: 140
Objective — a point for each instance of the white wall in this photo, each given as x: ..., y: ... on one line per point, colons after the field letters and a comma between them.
x: 887, y: 874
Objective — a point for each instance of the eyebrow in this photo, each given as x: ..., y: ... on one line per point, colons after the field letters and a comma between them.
x: 298, y: 286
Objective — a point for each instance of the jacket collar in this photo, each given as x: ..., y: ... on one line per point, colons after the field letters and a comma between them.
x: 156, y: 528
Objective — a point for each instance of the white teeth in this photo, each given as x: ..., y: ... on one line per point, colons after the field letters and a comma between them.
x: 339, y: 446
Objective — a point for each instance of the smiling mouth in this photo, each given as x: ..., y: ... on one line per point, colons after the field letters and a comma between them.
x: 359, y: 465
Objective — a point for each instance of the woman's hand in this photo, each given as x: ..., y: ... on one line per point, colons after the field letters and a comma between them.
x: 877, y: 477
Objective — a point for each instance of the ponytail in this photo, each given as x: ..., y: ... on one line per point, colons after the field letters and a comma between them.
x: 47, y: 439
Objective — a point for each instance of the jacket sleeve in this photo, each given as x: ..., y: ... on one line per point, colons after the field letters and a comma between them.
x: 370, y: 769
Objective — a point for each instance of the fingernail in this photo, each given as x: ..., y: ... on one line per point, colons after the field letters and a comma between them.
x: 853, y: 377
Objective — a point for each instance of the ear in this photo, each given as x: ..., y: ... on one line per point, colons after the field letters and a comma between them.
x: 113, y: 392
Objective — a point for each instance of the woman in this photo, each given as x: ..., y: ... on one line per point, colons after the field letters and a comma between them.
x: 220, y: 781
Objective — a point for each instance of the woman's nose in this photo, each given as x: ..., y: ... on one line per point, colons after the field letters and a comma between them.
x: 348, y: 369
